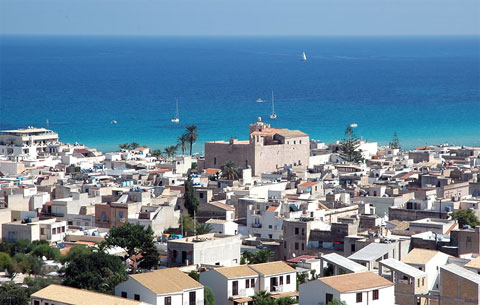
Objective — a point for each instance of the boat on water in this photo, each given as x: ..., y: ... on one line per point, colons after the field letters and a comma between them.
x: 259, y: 100
x: 113, y: 122
x: 304, y: 56
x: 176, y: 119
x: 273, y: 115
x: 354, y: 125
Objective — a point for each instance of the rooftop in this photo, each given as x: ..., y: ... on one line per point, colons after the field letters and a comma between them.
x: 344, y: 262
x: 236, y: 271
x: 419, y: 256
x: 222, y: 206
x: 463, y: 273
x: 272, y: 268
x: 474, y: 263
x: 355, y: 281
x: 402, y: 267
x: 74, y: 296
x: 371, y: 252
x: 166, y: 281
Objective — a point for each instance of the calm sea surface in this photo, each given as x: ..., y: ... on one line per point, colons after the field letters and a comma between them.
x: 425, y: 88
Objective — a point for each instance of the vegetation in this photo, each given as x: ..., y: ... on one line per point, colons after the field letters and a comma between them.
x: 25, y: 263
x: 192, y: 136
x: 302, y: 278
x: 12, y: 294
x: 194, y: 275
x: 466, y: 217
x: 229, y: 171
x: 257, y: 257
x: 170, y: 151
x: 96, y: 271
x: 5, y: 260
x: 127, y: 146
x: 157, y: 153
x: 191, y: 201
x: 349, y: 147
x: 47, y: 251
x: 337, y: 302
x: 209, y: 297
x: 285, y: 301
x: 395, y: 144
x: 203, y: 228
x: 263, y: 298
x: 183, y: 140
x: 135, y: 240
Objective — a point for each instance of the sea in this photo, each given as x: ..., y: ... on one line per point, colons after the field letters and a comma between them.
x: 426, y: 89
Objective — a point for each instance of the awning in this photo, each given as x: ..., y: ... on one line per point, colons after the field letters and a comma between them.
x: 291, y: 294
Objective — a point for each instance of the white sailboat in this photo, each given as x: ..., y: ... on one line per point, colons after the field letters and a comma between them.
x: 176, y: 119
x: 304, y: 56
x: 259, y: 100
x: 273, y: 115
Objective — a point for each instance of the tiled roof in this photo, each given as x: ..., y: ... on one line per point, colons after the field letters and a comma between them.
x: 308, y: 184
x: 236, y: 271
x: 222, y: 206
x: 166, y: 281
x: 272, y: 268
x: 474, y: 263
x: 212, y: 171
x: 355, y: 281
x: 419, y: 256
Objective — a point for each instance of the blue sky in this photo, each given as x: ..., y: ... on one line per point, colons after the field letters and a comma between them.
x: 245, y: 17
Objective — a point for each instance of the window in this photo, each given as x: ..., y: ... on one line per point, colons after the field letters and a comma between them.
x: 136, y: 297
x: 63, y: 229
x: 284, y: 244
x: 303, y: 231
x: 200, y: 195
x: 103, y: 216
x: 168, y: 300
x: 124, y: 294
x: 375, y: 294
x: 423, y: 281
x: 269, y: 226
x: 192, y: 298
x: 235, y: 288
x: 328, y: 298
x: 296, y: 231
x: 36, y: 302
x: 359, y: 297
x: 296, y: 246
x: 281, y: 280
x: 252, y: 283
x: 215, y: 160
x: 288, y: 279
x: 247, y: 283
x: 120, y: 214
x: 418, y: 283
x: 54, y: 231
x: 303, y: 246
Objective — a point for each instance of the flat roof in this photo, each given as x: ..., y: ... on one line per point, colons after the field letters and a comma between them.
x: 371, y: 252
x: 343, y: 262
x: 355, y: 281
x: 462, y: 272
x: 75, y: 296
x: 402, y: 267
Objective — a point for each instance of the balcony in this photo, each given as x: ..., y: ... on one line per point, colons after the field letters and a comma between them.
x: 256, y: 225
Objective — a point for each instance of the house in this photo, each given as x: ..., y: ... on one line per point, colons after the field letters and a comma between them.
x: 28, y: 142
x: 207, y: 249
x: 162, y: 287
x: 459, y: 286
x: 353, y: 288
x: 223, y: 227
x: 314, y: 188
x: 339, y: 264
x: 215, y: 210
x: 51, y: 229
x: 63, y: 295
x: 370, y: 255
x: 409, y: 281
x: 429, y: 261
x: 238, y: 284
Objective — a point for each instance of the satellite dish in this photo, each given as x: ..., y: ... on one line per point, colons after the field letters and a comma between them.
x: 294, y: 255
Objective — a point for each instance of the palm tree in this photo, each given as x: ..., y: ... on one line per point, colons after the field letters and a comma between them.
x: 337, y: 302
x: 125, y: 146
x: 156, y: 153
x: 229, y: 171
x: 262, y: 256
x: 192, y: 136
x: 262, y: 298
x: 182, y: 142
x: 170, y: 151
x: 203, y: 228
x: 134, y: 145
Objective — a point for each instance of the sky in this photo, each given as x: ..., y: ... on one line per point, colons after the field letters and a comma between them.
x: 240, y: 17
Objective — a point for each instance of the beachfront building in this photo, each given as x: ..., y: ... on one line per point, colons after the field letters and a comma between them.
x: 267, y: 150
x: 27, y: 143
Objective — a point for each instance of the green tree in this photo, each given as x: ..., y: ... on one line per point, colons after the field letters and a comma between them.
x: 26, y: 264
x: 5, y: 261
x: 124, y: 146
x: 135, y: 240
x: 349, y: 147
x: 157, y: 153
x: 466, y: 217
x: 75, y: 251
x: 337, y: 302
x: 134, y: 145
x: 209, y: 297
x: 395, y: 144
x: 170, y: 151
x: 246, y: 257
x: 194, y: 275
x: 191, y: 201
x: 204, y: 228
x: 183, y: 140
x: 263, y: 298
x: 301, y: 278
x: 192, y: 136
x: 95, y: 271
x: 187, y: 223
x: 36, y: 283
x: 10, y: 294
x: 229, y: 171
x: 285, y: 301
x: 262, y: 256
x: 47, y: 251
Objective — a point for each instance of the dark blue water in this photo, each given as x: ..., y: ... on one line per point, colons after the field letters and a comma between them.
x: 425, y: 88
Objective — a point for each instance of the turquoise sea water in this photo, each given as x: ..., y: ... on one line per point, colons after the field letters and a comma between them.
x: 425, y: 88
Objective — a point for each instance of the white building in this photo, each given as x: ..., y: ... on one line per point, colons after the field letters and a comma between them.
x: 51, y: 230
x: 223, y: 226
x: 353, y: 288
x: 237, y: 285
x: 428, y: 261
x: 162, y: 287
x: 27, y: 143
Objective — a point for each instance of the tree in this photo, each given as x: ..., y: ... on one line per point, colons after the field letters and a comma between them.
x: 134, y: 145
x: 13, y: 295
x: 194, y: 275
x: 96, y: 271
x: 36, y: 283
x: 262, y: 298
x: 26, y: 264
x: 170, y: 151
x: 229, y: 171
x: 124, y: 146
x: 337, y: 302
x: 285, y: 301
x: 5, y: 261
x: 247, y: 257
x: 47, y: 251
x: 466, y: 217
x: 186, y: 222
x: 262, y: 256
x: 157, y: 153
x: 135, y: 240
x: 395, y: 144
x: 209, y: 297
x: 183, y: 141
x: 191, y: 201
x: 192, y: 136
x: 75, y: 251
x: 203, y: 228
x: 349, y: 147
